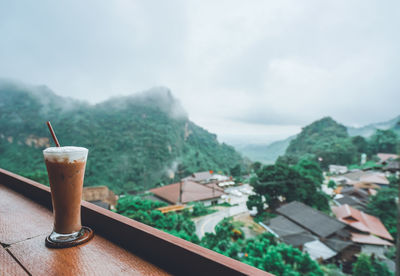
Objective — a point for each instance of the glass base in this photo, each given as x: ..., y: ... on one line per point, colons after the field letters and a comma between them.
x: 56, y: 237
x: 57, y: 240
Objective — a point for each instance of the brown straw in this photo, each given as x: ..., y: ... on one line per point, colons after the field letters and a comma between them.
x: 53, y: 134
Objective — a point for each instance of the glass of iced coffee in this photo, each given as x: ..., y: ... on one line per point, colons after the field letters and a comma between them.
x: 66, y: 170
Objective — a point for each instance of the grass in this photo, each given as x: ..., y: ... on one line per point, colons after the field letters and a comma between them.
x: 238, y: 223
x: 225, y: 204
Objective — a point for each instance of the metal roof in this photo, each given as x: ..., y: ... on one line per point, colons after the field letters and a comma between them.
x: 313, y: 220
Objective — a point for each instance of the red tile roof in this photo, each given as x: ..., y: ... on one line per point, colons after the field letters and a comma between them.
x: 361, y: 221
x: 369, y: 239
x: 191, y: 191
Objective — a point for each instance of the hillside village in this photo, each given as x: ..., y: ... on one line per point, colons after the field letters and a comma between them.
x: 337, y: 236
x: 335, y: 216
x: 325, y: 206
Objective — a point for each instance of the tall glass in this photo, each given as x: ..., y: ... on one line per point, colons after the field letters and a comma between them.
x: 66, y: 170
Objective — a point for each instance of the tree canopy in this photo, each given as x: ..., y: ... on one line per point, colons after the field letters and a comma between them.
x: 385, y: 141
x: 326, y: 140
x: 383, y: 205
x: 301, y: 182
x: 144, y: 211
x: 370, y: 266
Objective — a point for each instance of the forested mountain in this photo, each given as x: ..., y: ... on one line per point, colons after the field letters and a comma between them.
x: 330, y: 142
x: 325, y: 139
x: 134, y: 142
x: 268, y: 153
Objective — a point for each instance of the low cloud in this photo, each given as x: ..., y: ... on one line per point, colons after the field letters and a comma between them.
x: 249, y: 65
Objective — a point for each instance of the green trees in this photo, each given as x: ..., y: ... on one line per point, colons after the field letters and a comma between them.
x: 369, y: 266
x: 144, y: 211
x: 301, y: 182
x: 325, y: 139
x: 236, y: 171
x: 361, y: 144
x: 38, y: 176
x: 363, y: 266
x: 263, y: 252
x: 255, y: 201
x: 329, y: 141
x: 199, y: 209
x: 384, y: 141
x: 383, y: 205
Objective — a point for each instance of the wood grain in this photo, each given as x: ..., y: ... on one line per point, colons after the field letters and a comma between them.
x: 98, y: 257
x: 8, y: 266
x: 21, y: 219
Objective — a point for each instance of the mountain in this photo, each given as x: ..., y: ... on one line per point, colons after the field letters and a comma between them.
x: 268, y: 153
x: 134, y: 141
x: 368, y: 130
x: 265, y: 153
x: 325, y: 139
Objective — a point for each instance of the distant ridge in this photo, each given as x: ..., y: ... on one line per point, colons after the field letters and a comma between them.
x: 268, y: 153
x: 369, y: 129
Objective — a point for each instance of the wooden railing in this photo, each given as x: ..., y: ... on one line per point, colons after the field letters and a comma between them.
x: 171, y: 253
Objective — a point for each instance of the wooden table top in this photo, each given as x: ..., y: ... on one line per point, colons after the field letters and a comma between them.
x: 24, y: 225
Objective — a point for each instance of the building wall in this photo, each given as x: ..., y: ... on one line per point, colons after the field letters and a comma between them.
x: 377, y: 250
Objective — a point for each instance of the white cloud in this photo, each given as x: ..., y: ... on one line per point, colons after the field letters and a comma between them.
x: 238, y: 67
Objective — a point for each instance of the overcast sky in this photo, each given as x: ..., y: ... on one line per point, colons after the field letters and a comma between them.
x: 252, y: 71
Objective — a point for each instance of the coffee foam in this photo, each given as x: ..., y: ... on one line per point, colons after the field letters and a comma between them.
x: 65, y: 154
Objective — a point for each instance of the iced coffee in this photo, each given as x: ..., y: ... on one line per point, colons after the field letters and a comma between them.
x: 66, y: 169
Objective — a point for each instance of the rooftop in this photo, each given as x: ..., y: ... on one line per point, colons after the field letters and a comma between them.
x: 369, y: 239
x: 199, y: 176
x: 384, y: 157
x: 361, y: 221
x: 121, y: 246
x: 191, y: 191
x: 314, y: 221
x: 289, y: 232
x: 352, y: 201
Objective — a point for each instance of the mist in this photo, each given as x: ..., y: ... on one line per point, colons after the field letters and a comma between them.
x: 246, y: 71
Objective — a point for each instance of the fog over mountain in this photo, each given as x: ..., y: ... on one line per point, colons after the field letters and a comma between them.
x: 135, y: 142
x: 250, y: 72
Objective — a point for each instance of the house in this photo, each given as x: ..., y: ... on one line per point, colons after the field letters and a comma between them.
x: 200, y: 177
x: 188, y: 191
x: 375, y: 178
x: 350, y: 200
x: 365, y: 178
x: 355, y: 192
x: 366, y: 230
x: 310, y: 219
x: 392, y: 166
x: 329, y: 233
x: 288, y: 231
x: 361, y: 221
x: 384, y: 158
x: 336, y: 169
x: 210, y: 177
x: 101, y: 196
x: 295, y: 235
